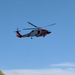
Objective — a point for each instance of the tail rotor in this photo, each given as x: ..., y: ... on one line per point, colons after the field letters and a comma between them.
x: 17, y: 31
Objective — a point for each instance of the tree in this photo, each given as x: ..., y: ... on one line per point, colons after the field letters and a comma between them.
x: 1, y: 73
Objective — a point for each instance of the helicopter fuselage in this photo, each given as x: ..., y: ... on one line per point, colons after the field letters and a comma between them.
x: 36, y: 32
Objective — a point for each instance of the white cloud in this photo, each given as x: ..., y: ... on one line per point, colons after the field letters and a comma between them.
x: 69, y: 70
x: 53, y: 71
x: 63, y: 65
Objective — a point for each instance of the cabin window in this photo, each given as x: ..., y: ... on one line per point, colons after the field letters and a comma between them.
x: 38, y: 32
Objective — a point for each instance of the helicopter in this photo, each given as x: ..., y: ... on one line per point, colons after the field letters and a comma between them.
x: 37, y: 31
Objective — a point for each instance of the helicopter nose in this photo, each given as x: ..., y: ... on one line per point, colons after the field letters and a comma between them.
x: 48, y: 32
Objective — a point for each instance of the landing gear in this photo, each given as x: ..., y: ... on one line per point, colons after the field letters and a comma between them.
x: 31, y: 38
x: 44, y: 35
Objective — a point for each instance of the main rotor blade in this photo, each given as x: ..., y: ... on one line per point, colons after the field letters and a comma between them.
x: 49, y: 25
x: 32, y: 24
x: 29, y: 28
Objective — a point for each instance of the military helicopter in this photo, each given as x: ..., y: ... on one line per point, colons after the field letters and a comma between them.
x: 37, y: 31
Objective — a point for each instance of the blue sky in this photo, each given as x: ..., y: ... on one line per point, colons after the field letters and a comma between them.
x: 36, y: 53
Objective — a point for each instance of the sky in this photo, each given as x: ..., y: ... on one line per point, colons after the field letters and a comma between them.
x: 38, y: 53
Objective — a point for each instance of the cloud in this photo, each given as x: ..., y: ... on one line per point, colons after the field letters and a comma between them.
x: 53, y: 71
x: 63, y: 65
x: 69, y: 70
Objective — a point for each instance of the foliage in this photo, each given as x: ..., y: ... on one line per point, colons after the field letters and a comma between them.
x: 1, y: 73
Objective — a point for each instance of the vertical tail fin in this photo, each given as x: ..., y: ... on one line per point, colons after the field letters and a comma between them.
x: 18, y: 33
